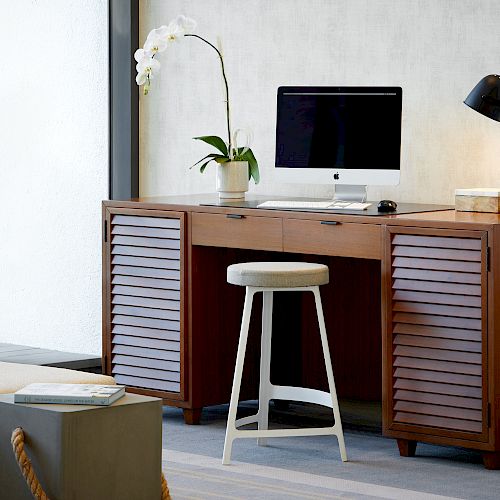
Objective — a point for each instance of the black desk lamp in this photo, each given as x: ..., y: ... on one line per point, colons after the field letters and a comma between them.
x: 485, y: 97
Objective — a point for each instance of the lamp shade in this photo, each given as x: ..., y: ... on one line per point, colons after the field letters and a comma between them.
x: 485, y: 97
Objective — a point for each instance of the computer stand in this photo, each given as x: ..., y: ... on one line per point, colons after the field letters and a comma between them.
x: 348, y: 192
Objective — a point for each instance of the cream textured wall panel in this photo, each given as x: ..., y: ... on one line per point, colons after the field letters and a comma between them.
x: 437, y: 50
x: 53, y: 171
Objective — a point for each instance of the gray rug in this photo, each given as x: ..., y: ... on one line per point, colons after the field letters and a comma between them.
x: 311, y: 467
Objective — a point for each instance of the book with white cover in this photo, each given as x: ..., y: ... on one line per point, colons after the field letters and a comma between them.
x: 72, y: 394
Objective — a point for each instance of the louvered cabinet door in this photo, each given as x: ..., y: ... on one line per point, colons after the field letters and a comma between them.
x: 436, y: 377
x: 144, y: 295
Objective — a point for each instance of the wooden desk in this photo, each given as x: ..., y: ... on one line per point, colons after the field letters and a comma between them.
x: 412, y: 311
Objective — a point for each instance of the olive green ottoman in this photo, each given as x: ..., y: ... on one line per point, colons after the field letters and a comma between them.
x: 84, y: 452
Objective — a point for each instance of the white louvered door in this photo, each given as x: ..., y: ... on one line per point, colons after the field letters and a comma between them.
x: 145, y: 308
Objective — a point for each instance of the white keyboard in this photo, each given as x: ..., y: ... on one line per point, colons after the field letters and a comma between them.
x: 311, y: 205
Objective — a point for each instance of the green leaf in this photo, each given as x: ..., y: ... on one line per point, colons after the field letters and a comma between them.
x: 214, y: 141
x: 212, y: 156
x: 253, y: 167
x: 202, y: 168
x: 223, y: 159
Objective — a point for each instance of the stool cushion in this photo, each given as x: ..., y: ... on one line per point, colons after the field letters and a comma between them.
x: 277, y: 274
x: 15, y: 376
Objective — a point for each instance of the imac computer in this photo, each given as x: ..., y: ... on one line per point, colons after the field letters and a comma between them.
x: 347, y: 136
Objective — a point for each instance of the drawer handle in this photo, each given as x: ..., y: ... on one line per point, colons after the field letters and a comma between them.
x: 330, y: 222
x: 235, y: 216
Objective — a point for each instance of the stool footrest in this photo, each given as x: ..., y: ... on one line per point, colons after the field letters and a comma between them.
x: 252, y: 419
x: 302, y: 394
x: 275, y: 433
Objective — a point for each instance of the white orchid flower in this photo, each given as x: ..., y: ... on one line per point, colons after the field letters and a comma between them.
x: 174, y: 32
x: 146, y: 69
x: 155, y: 41
x: 186, y: 23
x: 177, y: 28
x: 141, y: 55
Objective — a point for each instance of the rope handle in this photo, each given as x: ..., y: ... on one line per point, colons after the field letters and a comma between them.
x: 17, y: 441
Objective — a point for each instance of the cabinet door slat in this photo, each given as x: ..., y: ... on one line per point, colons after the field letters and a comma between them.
x: 436, y: 331
x: 435, y: 376
x: 144, y: 312
x: 159, y: 324
x: 434, y: 286
x: 437, y: 253
x: 441, y: 354
x: 166, y: 345
x: 143, y: 352
x: 157, y: 364
x: 440, y: 265
x: 438, y: 388
x: 146, y: 282
x: 136, y: 291
x: 160, y: 253
x: 148, y: 232
x: 149, y: 333
x: 433, y: 320
x: 148, y: 262
x: 442, y: 366
x: 437, y: 242
x: 146, y: 383
x: 438, y: 399
x: 146, y: 272
x: 141, y: 221
x: 437, y: 298
x: 437, y: 343
x: 441, y: 422
x: 138, y: 371
x: 136, y: 241
x: 126, y: 300
x: 438, y: 410
x: 437, y: 309
x: 441, y: 276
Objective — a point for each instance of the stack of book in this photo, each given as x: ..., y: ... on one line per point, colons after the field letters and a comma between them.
x: 72, y: 394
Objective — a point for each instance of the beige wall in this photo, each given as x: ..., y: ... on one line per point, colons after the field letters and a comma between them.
x: 437, y: 50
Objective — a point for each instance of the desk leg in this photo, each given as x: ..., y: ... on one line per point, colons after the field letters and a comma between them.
x: 407, y: 447
x: 491, y: 460
x: 192, y: 415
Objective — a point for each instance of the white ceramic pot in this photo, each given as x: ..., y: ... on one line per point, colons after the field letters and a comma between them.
x: 232, y: 180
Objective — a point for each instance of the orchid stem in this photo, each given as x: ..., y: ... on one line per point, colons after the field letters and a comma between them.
x: 230, y: 146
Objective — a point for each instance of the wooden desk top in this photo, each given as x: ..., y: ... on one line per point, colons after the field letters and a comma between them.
x: 199, y: 203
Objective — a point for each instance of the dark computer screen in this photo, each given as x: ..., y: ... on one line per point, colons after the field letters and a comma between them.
x: 339, y: 127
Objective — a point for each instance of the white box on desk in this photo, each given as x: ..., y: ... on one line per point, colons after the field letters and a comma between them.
x: 478, y: 200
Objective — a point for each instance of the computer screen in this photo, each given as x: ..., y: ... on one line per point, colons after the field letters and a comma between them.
x: 349, y: 135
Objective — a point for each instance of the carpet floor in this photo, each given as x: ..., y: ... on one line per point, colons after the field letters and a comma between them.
x: 310, y: 467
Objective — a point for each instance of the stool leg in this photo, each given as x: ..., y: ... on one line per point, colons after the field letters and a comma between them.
x: 238, y: 371
x: 329, y: 373
x: 265, y: 364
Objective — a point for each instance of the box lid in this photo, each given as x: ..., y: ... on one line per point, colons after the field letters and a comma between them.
x: 491, y: 191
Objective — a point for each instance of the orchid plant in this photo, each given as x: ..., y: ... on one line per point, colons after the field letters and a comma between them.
x: 158, y: 40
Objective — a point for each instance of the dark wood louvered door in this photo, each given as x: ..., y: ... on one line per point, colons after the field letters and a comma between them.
x: 435, y: 373
x: 144, y: 300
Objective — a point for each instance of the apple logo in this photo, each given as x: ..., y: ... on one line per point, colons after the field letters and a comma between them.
x: 336, y: 176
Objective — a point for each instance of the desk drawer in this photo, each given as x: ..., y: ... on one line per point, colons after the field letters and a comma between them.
x: 227, y: 230
x: 341, y: 239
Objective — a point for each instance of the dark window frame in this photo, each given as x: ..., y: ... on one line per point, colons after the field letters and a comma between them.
x: 123, y: 100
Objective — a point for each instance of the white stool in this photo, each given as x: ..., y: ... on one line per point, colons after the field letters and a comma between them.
x: 269, y: 277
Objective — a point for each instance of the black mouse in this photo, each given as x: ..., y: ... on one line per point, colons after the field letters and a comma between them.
x: 387, y: 206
